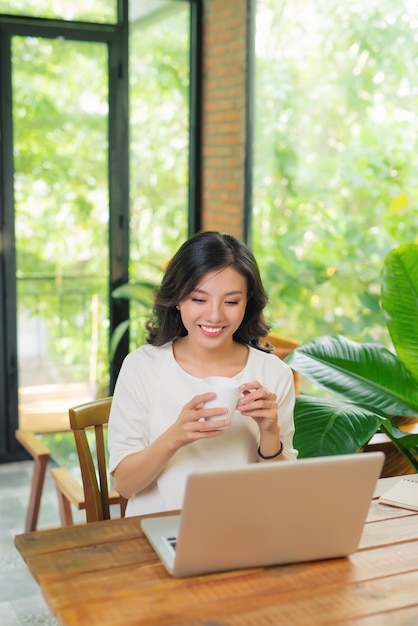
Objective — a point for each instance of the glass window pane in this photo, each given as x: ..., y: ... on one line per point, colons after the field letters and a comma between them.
x: 100, y: 11
x: 336, y: 156
x: 159, y: 135
x: 60, y: 120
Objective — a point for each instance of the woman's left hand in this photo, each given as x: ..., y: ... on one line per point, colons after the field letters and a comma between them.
x: 260, y: 404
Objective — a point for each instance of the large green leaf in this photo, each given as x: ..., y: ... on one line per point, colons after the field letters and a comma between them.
x: 140, y: 292
x: 405, y: 442
x: 328, y: 427
x: 367, y: 374
x: 409, y: 440
x: 117, y: 335
x: 400, y: 303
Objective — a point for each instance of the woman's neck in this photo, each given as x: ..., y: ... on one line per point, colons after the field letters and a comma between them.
x: 201, y: 362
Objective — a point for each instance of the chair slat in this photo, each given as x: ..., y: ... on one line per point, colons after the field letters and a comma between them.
x: 93, y: 416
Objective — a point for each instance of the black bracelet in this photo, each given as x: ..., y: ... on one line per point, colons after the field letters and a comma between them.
x: 272, y: 456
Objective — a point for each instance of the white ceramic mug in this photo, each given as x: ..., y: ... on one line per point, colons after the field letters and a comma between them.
x: 227, y: 393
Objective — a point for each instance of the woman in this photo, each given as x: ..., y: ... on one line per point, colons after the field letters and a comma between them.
x: 208, y: 319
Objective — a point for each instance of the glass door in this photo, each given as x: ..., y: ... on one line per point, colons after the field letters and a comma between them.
x: 60, y: 126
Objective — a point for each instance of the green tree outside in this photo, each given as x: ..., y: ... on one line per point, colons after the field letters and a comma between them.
x: 336, y: 155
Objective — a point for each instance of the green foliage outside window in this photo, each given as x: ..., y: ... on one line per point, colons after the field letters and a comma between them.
x: 159, y: 140
x: 61, y: 201
x: 83, y: 10
x: 60, y: 117
x: 336, y: 158
x: 336, y: 138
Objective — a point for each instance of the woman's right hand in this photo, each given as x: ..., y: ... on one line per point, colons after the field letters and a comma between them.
x: 136, y: 471
x: 191, y: 426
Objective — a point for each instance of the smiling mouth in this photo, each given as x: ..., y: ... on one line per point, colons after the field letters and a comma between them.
x: 211, y: 330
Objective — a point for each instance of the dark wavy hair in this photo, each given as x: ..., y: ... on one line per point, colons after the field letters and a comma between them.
x: 202, y: 253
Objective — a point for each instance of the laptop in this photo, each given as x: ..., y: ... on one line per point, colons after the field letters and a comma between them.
x: 267, y: 514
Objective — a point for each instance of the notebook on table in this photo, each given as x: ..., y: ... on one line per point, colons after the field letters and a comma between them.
x: 267, y: 514
x: 403, y: 494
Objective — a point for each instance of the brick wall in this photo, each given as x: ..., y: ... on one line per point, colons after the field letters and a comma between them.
x: 224, y: 115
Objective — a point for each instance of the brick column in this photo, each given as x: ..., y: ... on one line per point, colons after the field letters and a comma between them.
x: 224, y: 115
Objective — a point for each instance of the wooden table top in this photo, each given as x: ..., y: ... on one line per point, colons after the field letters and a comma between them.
x: 106, y: 573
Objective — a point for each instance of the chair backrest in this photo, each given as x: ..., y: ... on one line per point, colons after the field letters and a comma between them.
x: 93, y: 416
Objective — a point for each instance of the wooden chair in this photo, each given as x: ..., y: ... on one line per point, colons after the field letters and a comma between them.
x: 94, y: 496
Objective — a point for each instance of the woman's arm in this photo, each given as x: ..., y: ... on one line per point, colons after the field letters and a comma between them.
x: 273, y: 412
x: 138, y: 469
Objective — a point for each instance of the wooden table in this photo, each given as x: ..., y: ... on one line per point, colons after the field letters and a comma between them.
x: 43, y: 410
x: 106, y: 573
x: 70, y: 491
x: 41, y: 455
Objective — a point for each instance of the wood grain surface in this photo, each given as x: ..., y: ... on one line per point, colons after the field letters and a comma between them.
x: 107, y: 574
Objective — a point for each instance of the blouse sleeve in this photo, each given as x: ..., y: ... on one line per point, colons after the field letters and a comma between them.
x: 281, y: 381
x: 286, y: 417
x: 128, y: 429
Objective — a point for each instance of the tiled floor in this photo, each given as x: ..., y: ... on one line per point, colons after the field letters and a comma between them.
x: 21, y: 602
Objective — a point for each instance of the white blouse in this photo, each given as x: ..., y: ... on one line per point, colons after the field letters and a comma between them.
x: 149, y: 395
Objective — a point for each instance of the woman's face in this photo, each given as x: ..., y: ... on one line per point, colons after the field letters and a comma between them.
x: 215, y: 309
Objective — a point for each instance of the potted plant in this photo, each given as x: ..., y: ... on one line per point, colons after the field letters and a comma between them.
x: 369, y: 384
